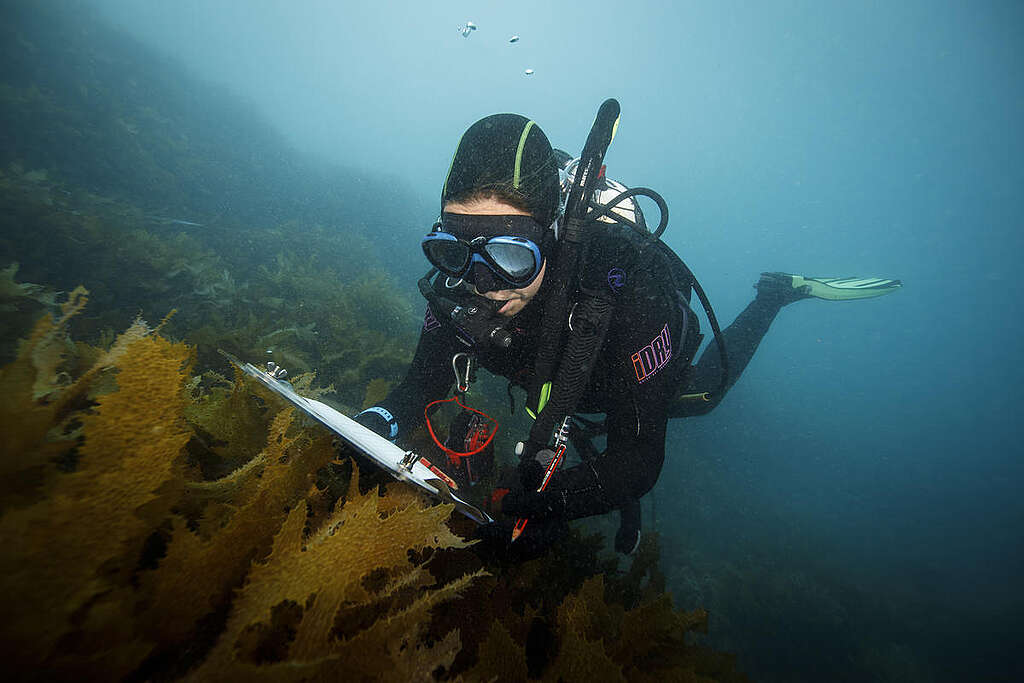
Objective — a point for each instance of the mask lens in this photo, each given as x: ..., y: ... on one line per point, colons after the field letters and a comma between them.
x: 517, y: 260
x: 449, y: 256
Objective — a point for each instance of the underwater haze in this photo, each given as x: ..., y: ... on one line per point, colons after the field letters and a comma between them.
x: 853, y: 509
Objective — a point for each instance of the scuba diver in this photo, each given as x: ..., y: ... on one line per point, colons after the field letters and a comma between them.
x: 545, y: 273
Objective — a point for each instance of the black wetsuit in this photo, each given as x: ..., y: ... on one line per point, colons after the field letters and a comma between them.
x: 643, y: 364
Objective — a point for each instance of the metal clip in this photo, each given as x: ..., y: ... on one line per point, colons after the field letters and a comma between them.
x: 275, y: 371
x: 561, y: 435
x: 462, y: 381
x: 409, y: 460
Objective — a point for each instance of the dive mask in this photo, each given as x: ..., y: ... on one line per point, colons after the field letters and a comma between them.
x: 491, y: 252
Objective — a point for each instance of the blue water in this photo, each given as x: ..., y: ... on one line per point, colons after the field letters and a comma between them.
x: 873, y: 444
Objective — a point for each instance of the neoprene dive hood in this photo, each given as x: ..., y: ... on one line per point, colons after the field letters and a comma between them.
x: 511, y: 156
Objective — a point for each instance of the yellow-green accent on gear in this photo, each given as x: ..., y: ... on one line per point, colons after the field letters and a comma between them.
x: 519, y: 153
x: 615, y: 128
x: 545, y: 394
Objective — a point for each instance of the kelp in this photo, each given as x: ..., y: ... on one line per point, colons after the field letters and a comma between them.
x: 572, y: 617
x: 13, y: 294
x: 189, y: 545
x: 39, y: 431
x: 69, y: 570
x: 354, y: 543
x: 113, y: 176
x: 102, y: 572
x: 306, y: 297
x: 125, y: 558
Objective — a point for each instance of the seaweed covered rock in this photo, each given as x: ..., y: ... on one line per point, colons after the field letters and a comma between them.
x: 312, y: 298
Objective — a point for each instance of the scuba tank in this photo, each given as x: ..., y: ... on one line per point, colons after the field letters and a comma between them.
x: 625, y: 211
x: 606, y: 200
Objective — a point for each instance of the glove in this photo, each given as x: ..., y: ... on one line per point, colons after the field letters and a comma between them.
x: 778, y: 289
x: 533, y: 504
x: 526, y: 501
x: 496, y: 540
x: 533, y: 466
x: 376, y: 422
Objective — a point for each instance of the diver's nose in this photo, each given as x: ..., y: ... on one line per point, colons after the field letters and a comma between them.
x: 484, y: 280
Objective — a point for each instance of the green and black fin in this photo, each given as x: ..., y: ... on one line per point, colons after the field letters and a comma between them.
x: 845, y: 288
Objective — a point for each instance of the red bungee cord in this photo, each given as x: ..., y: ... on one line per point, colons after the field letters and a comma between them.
x: 477, y: 441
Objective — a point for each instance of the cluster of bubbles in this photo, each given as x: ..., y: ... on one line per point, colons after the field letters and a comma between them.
x: 467, y: 30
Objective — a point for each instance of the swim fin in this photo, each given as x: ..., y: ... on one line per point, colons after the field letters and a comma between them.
x: 845, y: 288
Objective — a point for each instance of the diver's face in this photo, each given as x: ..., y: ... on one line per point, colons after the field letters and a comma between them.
x: 515, y: 299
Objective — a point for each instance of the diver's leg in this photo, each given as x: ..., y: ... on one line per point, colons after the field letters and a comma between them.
x: 628, y: 536
x: 742, y: 338
x: 775, y: 290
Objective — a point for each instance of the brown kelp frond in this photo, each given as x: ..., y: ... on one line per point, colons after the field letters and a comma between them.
x: 604, y: 641
x: 47, y: 346
x: 224, y: 557
x: 376, y: 391
x: 398, y: 643
x: 400, y: 496
x: 327, y: 575
x: 13, y: 294
x: 230, y: 423
x: 27, y: 451
x: 89, y: 382
x: 133, y: 557
x: 585, y: 624
x: 499, y: 652
x: 303, y: 385
x: 40, y: 391
x: 234, y: 487
x: 78, y: 544
x: 101, y: 576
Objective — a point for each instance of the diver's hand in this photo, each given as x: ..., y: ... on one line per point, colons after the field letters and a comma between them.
x: 533, y: 466
x: 496, y: 540
x: 778, y: 289
x: 530, y: 504
x: 544, y: 457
